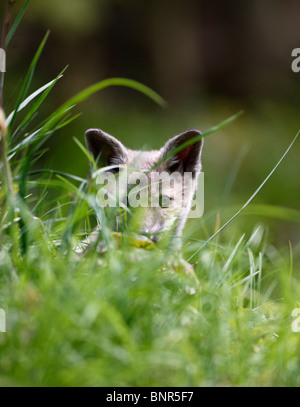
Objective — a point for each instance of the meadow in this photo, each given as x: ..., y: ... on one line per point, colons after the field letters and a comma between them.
x: 127, y: 316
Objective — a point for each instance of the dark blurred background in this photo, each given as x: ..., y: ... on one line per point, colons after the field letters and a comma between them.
x: 208, y: 59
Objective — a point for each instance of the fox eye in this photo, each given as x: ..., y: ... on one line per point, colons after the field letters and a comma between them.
x: 164, y: 201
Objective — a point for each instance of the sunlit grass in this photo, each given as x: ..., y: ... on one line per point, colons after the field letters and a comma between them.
x: 119, y: 315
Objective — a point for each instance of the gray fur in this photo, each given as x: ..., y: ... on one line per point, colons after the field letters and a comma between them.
x: 110, y: 151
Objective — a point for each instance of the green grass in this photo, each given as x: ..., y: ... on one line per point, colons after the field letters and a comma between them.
x: 125, y: 317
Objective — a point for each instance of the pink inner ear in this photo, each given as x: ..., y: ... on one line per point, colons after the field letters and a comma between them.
x: 184, y: 154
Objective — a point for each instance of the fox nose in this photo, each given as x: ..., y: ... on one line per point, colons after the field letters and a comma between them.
x: 147, y: 232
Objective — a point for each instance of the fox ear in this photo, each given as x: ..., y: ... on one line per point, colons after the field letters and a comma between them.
x: 189, y: 158
x: 105, y: 148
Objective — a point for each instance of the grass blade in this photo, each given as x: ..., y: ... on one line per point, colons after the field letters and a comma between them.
x: 28, y: 78
x: 249, y: 200
x: 54, y: 172
x: 47, y: 88
x: 207, y: 133
x: 276, y: 212
x: 16, y: 23
x: 83, y: 95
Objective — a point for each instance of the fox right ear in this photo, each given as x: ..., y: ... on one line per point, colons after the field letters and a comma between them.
x: 105, y: 149
x: 188, y: 159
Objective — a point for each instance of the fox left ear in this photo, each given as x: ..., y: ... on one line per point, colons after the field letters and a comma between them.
x: 189, y: 158
x: 106, y: 147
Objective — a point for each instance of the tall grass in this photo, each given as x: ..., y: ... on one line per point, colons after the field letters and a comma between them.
x: 121, y: 315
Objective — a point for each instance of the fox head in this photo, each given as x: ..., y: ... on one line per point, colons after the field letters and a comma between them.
x: 171, y: 174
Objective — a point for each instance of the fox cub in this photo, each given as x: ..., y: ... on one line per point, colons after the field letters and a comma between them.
x: 179, y: 157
